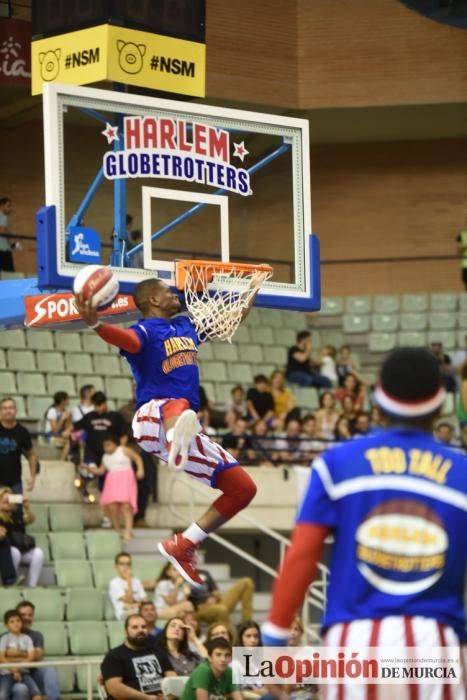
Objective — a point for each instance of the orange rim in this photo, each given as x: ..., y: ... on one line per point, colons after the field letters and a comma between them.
x: 210, y: 267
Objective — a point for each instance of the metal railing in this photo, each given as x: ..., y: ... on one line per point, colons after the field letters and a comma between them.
x: 317, y: 591
x: 89, y: 662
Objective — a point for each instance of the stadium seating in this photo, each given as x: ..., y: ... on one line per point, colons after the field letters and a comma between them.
x: 73, y: 573
x: 48, y: 602
x: 67, y: 545
x: 102, y: 545
x: 84, y: 604
x: 66, y: 517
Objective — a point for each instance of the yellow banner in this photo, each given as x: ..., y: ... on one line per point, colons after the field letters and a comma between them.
x: 121, y: 55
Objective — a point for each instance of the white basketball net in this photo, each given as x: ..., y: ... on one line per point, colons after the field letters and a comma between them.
x: 216, y: 305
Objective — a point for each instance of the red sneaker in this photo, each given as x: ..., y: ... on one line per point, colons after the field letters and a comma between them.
x: 182, y: 553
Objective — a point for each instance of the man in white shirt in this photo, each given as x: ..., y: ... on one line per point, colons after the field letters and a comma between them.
x: 125, y: 591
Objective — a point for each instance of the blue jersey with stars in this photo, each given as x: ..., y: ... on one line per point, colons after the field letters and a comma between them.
x: 397, y: 503
x: 166, y: 365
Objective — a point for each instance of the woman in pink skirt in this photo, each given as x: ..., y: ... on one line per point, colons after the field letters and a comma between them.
x: 119, y: 492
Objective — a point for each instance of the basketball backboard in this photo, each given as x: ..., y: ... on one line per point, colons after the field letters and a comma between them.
x: 199, y: 182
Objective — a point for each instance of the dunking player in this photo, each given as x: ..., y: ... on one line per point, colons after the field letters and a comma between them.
x: 162, y: 352
x: 397, y: 506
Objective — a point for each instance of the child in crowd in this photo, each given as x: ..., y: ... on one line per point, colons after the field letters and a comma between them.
x: 58, y: 423
x: 327, y: 365
x: 214, y: 676
x: 120, y: 490
x: 16, y: 647
x: 344, y: 364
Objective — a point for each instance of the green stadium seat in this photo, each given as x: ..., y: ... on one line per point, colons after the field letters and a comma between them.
x: 21, y: 360
x: 253, y: 318
x: 102, y: 545
x: 88, y: 638
x: 223, y: 392
x: 147, y: 568
x: 93, y: 379
x: 241, y: 373
x: 462, y: 319
x: 103, y: 571
x: 40, y: 340
x: 9, y: 599
x: 414, y: 303
x: 107, y: 365
x: 7, y: 382
x: 49, y: 604
x: 250, y: 353
x: 381, y: 342
x: 285, y: 336
x: 442, y: 321
x: 32, y: 384
x: 412, y: 338
x: 94, y: 345
x: 384, y: 323
x: 119, y: 388
x: 276, y: 355
x: 413, y: 321
x: 116, y: 632
x: 463, y: 301
x: 205, y: 352
x: 2, y: 359
x: 355, y: 324
x: 214, y: 371
x: 332, y: 306
x: 357, y: 305
x: 73, y: 573
x: 447, y: 338
x: 38, y: 405
x: 67, y: 545
x: 443, y: 302
x: 225, y: 352
x: 78, y: 362
x: 386, y: 304
x: 13, y: 339
x: 242, y: 334
x: 262, y: 335
x: 20, y: 407
x: 42, y: 541
x: 84, y: 604
x: 60, y: 382
x: 50, y: 362
x: 295, y: 320
x: 55, y: 637
x: 307, y: 397
x: 41, y: 520
x: 272, y: 318
x: 109, y: 612
x: 66, y: 517
x: 210, y: 390
x: 67, y: 341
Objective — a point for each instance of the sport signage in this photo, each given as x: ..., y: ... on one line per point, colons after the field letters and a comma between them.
x: 121, y: 55
x: 50, y: 309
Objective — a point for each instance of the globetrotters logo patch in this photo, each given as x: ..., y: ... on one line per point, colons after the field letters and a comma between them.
x: 176, y: 149
x: 401, y: 547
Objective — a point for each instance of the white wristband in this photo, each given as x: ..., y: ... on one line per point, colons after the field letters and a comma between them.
x: 96, y: 325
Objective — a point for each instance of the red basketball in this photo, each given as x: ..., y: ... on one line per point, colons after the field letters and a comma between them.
x: 98, y: 284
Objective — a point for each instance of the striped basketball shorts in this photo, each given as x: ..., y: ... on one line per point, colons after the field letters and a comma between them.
x: 397, y: 632
x: 206, y: 459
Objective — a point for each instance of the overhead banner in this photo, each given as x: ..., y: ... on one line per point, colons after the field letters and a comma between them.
x: 121, y: 55
x: 51, y: 309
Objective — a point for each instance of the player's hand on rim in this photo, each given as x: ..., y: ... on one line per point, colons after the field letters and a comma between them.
x: 86, y: 310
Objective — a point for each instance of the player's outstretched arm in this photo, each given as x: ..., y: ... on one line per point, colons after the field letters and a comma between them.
x: 255, y: 283
x: 120, y: 337
x: 300, y: 565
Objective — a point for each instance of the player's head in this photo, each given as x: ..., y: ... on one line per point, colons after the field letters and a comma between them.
x: 154, y: 298
x: 410, y: 387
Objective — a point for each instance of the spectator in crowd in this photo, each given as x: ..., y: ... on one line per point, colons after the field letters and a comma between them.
x: 14, y: 517
x: 344, y: 364
x: 460, y: 356
x: 85, y: 405
x: 238, y: 442
x: 301, y: 369
x: 444, y: 432
x: 237, y: 403
x: 7, y: 568
x: 135, y: 668
x: 447, y: 370
x: 46, y: 677
x: 290, y: 446
x: 15, y: 646
x: 376, y: 420
x: 148, y: 612
x: 461, y: 406
x: 213, y: 606
x: 349, y: 411
x: 119, y: 492
x: 97, y: 424
x: 174, y: 641
x: 6, y: 256
x: 249, y: 635
x: 170, y: 598
x: 327, y: 365
x: 126, y: 591
x: 214, y: 676
x: 219, y: 629
x: 354, y: 388
x: 262, y: 444
x: 145, y: 486
x: 58, y: 424
x: 362, y: 424
x: 209, y: 417
x: 259, y: 400
x: 15, y: 441
x: 284, y: 400
x: 327, y: 416
x: 342, y: 429
x: 311, y: 444
x: 296, y: 633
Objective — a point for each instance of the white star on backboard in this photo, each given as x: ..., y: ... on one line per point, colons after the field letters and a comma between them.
x: 240, y: 150
x: 110, y: 132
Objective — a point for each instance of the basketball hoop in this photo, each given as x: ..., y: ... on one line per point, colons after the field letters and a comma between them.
x: 217, y: 293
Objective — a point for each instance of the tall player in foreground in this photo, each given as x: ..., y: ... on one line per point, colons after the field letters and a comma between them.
x: 397, y: 506
x: 162, y: 352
